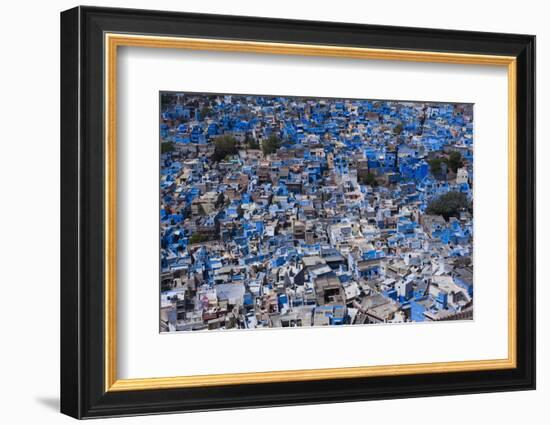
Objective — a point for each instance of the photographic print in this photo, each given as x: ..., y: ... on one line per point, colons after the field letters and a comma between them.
x: 284, y: 211
x: 325, y: 187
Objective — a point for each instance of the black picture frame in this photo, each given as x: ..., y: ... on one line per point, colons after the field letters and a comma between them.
x: 83, y: 392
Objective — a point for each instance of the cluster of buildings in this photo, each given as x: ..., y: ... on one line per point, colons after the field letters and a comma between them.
x: 316, y: 216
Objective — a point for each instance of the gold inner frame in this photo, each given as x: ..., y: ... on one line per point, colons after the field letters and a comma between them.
x: 113, y: 41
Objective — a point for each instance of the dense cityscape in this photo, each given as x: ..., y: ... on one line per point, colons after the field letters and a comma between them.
x: 287, y: 211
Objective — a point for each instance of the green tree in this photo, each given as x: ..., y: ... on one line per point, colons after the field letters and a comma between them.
x: 205, y: 110
x: 167, y: 99
x: 435, y: 165
x: 271, y: 145
x: 166, y: 147
x: 223, y: 146
x: 449, y: 205
x: 370, y: 180
x: 455, y: 161
x: 251, y: 143
x: 398, y: 129
x: 198, y: 238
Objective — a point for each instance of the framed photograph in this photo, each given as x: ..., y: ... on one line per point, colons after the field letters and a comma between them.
x: 261, y: 212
